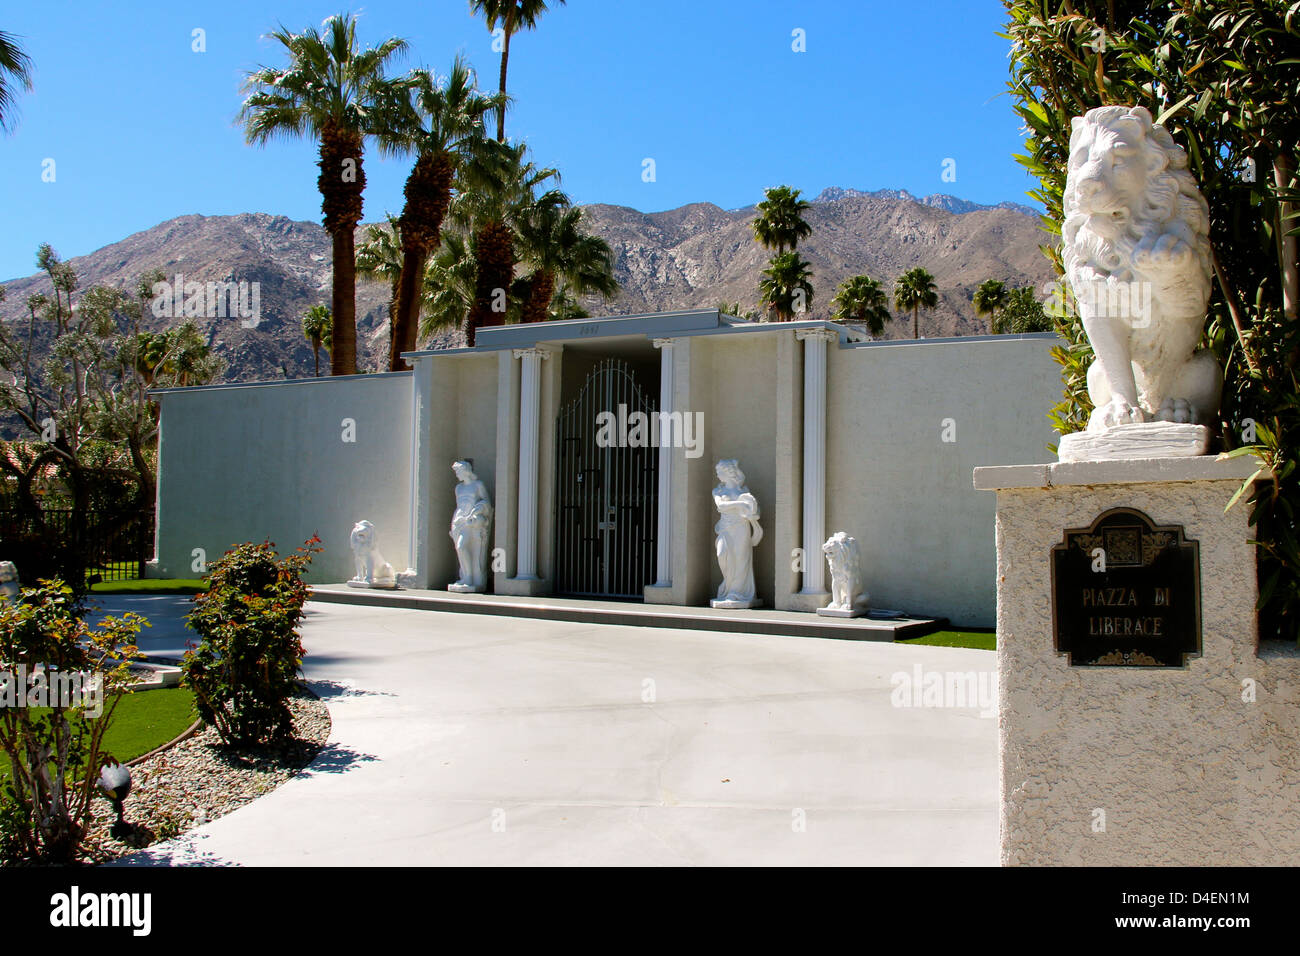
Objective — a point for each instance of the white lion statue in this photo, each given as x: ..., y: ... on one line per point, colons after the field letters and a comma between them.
x: 847, y: 594
x: 372, y: 570
x: 1137, y: 255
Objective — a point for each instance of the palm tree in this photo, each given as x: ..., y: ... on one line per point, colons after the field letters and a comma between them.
x: 316, y: 326
x: 448, y: 293
x: 380, y: 257
x: 785, y: 287
x: 500, y: 191
x: 780, y: 223
x: 512, y: 16
x: 443, y: 125
x: 553, y: 242
x: 989, y: 298
x: 15, y: 75
x: 330, y: 91
x: 913, y: 291
x: 862, y: 300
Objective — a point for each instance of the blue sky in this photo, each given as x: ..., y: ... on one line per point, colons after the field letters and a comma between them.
x: 141, y: 128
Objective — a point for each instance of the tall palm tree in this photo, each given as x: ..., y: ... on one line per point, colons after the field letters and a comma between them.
x: 511, y: 16
x: 500, y: 190
x: 443, y: 124
x: 989, y: 298
x: 780, y: 224
x: 785, y: 287
x: 553, y: 243
x: 15, y: 75
x: 913, y: 291
x: 316, y: 326
x: 330, y: 91
x: 380, y: 257
x: 862, y: 300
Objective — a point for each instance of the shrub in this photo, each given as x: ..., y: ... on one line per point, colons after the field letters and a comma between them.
x: 54, y: 740
x: 245, y: 668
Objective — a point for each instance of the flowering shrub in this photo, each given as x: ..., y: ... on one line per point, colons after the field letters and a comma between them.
x: 245, y: 668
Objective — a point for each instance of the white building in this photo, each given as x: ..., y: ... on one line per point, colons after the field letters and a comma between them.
x: 833, y: 433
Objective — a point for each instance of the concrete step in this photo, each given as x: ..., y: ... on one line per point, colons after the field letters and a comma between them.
x: 874, y: 627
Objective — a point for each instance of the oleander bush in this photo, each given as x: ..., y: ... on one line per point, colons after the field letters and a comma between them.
x: 245, y: 668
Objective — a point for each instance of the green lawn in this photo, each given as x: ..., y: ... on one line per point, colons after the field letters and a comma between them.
x: 142, y: 722
x: 151, y: 586
x: 980, y: 640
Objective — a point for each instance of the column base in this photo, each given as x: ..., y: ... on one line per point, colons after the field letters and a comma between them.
x: 809, y: 601
x: 524, y: 587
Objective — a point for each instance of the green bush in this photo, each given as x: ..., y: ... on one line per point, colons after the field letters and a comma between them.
x: 245, y: 668
x: 54, y: 741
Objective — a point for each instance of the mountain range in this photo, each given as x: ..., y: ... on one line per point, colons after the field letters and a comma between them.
x: 694, y: 256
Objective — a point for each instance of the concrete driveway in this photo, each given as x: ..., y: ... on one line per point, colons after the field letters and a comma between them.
x: 471, y: 740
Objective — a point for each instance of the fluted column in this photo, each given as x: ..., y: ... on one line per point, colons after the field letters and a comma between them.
x: 663, y: 532
x: 814, y: 455
x: 530, y: 397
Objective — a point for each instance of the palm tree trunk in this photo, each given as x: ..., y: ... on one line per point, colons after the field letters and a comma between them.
x: 540, y: 292
x: 1283, y: 172
x: 494, y: 255
x: 428, y: 194
x: 501, y: 110
x: 343, y: 353
x: 916, y: 323
x: 342, y: 182
x: 315, y: 351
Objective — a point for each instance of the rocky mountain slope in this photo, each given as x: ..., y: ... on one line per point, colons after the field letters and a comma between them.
x: 694, y: 256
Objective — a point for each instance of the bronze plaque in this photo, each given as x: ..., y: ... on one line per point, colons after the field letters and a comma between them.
x: 1126, y: 593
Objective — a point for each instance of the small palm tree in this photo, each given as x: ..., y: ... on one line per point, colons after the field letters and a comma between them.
x: 989, y: 298
x: 736, y: 309
x: 331, y: 90
x: 15, y: 75
x: 780, y: 224
x: 863, y: 301
x: 380, y: 257
x: 511, y: 16
x: 316, y: 328
x: 913, y: 291
x: 553, y: 242
x: 448, y: 293
x: 786, y: 288
x: 442, y: 123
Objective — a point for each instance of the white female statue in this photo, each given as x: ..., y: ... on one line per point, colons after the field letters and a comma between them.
x: 738, y: 532
x: 469, y: 529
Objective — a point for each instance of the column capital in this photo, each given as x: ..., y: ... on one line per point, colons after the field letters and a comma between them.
x: 537, y: 351
x: 663, y: 343
x: 825, y: 334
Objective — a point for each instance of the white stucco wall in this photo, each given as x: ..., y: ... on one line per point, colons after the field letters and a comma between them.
x: 925, y: 534
x: 256, y: 462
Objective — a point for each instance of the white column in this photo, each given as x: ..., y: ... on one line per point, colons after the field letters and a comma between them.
x: 530, y: 397
x: 663, y: 532
x: 814, y: 455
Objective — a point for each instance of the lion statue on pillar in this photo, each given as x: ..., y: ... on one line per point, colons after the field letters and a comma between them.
x: 372, y: 570
x: 1136, y: 251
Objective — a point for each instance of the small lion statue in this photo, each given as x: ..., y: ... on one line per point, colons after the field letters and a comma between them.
x: 1137, y: 255
x: 847, y: 595
x: 372, y: 570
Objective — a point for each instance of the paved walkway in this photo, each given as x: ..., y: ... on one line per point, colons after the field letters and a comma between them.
x: 471, y: 740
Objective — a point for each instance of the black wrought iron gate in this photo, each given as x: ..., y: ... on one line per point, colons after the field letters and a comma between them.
x: 607, y: 487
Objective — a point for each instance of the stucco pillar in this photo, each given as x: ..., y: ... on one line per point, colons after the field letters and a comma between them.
x: 530, y: 396
x: 814, y: 457
x: 663, y: 532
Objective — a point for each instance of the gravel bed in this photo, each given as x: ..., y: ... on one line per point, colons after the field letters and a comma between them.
x: 201, y: 779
